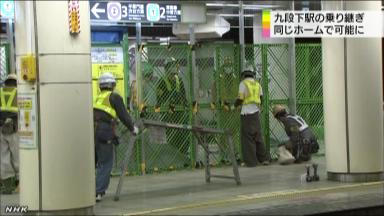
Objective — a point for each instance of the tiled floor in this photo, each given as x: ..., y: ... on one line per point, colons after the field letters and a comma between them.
x: 274, y: 189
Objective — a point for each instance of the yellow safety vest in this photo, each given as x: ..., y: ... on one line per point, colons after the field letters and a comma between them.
x: 8, y: 99
x: 253, y: 88
x: 102, y: 103
x: 169, y: 86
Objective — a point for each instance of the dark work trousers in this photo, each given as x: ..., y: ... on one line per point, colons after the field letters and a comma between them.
x: 252, y: 143
x: 104, y: 165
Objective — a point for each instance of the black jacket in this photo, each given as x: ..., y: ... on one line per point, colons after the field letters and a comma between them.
x: 105, y: 121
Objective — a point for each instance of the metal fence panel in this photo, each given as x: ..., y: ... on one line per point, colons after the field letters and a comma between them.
x: 4, y: 61
x: 309, y: 88
x: 167, y: 99
x: 207, y: 97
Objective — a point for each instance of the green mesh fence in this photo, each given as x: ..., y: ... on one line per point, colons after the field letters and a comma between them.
x: 214, y: 88
x: 166, y: 94
x: 227, y: 79
x: 271, y: 62
x: 309, y: 88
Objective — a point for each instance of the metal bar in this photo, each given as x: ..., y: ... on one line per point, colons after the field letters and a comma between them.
x: 10, y: 35
x: 194, y: 80
x: 123, y: 166
x: 183, y: 127
x: 125, y: 46
x: 233, y: 157
x: 292, y: 72
x: 223, y: 176
x: 265, y: 105
x: 207, y: 165
x: 241, y: 35
x: 139, y: 89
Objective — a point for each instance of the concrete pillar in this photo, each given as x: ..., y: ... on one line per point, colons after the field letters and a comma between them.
x: 57, y: 171
x: 353, y: 115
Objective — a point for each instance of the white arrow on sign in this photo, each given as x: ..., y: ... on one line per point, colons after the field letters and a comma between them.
x: 96, y: 10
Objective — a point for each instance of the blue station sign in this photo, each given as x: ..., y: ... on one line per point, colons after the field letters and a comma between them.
x: 115, y: 11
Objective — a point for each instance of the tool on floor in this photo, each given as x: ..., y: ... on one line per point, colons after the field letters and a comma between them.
x: 315, y: 176
x: 308, y: 177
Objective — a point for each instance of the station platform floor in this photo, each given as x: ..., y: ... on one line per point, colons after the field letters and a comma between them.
x: 265, y: 190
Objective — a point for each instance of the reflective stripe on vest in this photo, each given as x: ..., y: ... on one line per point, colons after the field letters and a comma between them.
x: 8, y: 99
x: 253, y: 96
x: 102, y: 103
x: 298, y: 119
x: 168, y: 83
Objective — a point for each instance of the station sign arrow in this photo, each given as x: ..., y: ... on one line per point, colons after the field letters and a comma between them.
x: 96, y: 10
x: 116, y: 11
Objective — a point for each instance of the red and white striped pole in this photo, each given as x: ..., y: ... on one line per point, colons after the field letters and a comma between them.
x: 74, y: 16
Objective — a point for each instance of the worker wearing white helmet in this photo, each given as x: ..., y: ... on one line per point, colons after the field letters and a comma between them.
x: 9, y: 144
x: 250, y: 93
x: 108, y: 107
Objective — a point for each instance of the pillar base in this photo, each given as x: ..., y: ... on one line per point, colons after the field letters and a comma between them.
x: 78, y: 211
x: 355, y: 177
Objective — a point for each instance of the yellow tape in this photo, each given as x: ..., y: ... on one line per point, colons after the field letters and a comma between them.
x: 142, y: 166
x: 259, y: 196
x: 141, y: 107
x: 213, y: 106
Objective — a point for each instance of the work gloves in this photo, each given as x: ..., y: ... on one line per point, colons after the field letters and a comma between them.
x: 135, y: 130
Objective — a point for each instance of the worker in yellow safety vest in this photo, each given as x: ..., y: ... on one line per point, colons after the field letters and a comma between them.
x: 9, y: 145
x: 170, y: 92
x: 250, y: 95
x: 108, y: 107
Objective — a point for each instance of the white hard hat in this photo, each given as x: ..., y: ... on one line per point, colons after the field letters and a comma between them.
x: 12, y: 76
x: 107, y: 77
x: 107, y: 80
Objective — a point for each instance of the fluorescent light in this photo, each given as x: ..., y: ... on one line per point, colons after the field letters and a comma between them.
x: 245, y: 6
x: 221, y: 5
x: 229, y: 15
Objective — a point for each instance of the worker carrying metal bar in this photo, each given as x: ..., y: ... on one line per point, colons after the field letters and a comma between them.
x: 9, y: 144
x: 302, y: 142
x: 250, y: 95
x: 108, y: 107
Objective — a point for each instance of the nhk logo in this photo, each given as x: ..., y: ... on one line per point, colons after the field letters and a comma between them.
x: 16, y: 209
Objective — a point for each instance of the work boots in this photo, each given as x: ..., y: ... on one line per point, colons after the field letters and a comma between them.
x: 7, y: 185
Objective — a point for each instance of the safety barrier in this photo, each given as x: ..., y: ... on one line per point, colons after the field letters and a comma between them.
x: 206, y: 96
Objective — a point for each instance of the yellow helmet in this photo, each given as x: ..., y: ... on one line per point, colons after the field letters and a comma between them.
x: 278, y: 109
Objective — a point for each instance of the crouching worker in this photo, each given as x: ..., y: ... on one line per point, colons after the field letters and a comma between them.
x: 107, y: 107
x: 302, y: 142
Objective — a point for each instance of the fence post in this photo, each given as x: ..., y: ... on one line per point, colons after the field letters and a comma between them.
x: 266, y: 102
x: 292, y: 77
x: 194, y: 86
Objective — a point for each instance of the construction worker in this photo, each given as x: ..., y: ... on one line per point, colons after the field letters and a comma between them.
x: 250, y: 93
x: 170, y: 92
x: 224, y: 92
x: 9, y: 140
x: 148, y: 86
x: 108, y: 107
x: 227, y: 85
x: 302, y: 142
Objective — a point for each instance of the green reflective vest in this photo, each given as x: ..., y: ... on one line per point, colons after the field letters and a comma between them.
x: 8, y: 99
x: 169, y: 85
x: 102, y: 103
x: 253, y: 88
